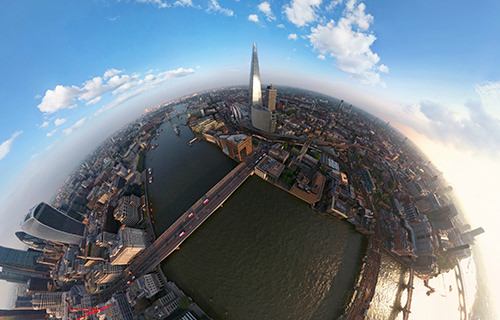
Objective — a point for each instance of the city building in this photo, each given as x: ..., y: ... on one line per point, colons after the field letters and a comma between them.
x: 263, y: 119
x: 149, y: 284
x: 13, y: 277
x: 39, y: 285
x: 271, y: 94
x: 47, y: 300
x: 278, y: 153
x: 269, y: 168
x: 130, y: 242
x: 106, y: 273
x: 23, y: 314
x: 119, y: 308
x: 24, y: 302
x: 46, y: 222
x: 127, y: 210
x: 163, y: 307
x: 237, y: 146
x: 309, y: 190
x: 22, y: 263
x: 255, y: 89
x: 31, y: 241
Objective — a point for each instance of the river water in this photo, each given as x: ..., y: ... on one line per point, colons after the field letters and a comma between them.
x: 265, y: 254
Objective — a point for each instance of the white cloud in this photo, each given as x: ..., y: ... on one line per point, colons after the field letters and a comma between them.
x: 158, y: 3
x: 321, y: 57
x: 383, y: 68
x: 45, y: 124
x: 214, y: 7
x: 93, y: 90
x: 93, y: 101
x: 7, y: 145
x: 253, y: 18
x: 302, y: 12
x: 183, y: 3
x: 111, y: 72
x: 75, y: 126
x: 292, y: 36
x: 333, y: 4
x: 51, y: 133
x: 59, y: 121
x: 142, y: 85
x: 281, y: 26
x: 60, y: 98
x: 349, y: 43
x: 265, y: 8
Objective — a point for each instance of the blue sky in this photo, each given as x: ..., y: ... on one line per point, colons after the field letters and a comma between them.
x: 74, y: 71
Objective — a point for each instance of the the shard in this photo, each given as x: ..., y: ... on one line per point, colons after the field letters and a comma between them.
x: 255, y: 87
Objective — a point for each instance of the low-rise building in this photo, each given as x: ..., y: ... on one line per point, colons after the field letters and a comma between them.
x: 237, y: 146
x: 269, y: 168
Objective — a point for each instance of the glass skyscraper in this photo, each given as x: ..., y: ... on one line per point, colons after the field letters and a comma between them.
x: 45, y: 222
x: 255, y: 89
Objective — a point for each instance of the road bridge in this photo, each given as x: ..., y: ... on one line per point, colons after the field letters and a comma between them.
x: 180, y: 230
x: 462, y: 308
x: 409, y: 288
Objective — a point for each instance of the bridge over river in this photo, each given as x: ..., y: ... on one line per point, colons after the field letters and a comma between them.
x: 180, y: 230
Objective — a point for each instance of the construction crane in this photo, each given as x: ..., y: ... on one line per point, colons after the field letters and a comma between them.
x: 89, y: 311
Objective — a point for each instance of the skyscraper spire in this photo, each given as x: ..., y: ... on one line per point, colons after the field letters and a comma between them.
x: 255, y: 89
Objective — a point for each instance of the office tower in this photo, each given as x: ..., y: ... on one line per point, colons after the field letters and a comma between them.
x: 13, y: 277
x: 271, y: 94
x: 45, y: 222
x: 474, y: 233
x: 262, y: 118
x: 255, y: 89
x: 33, y: 242
x: 21, y: 262
x: 22, y: 314
x: 47, y: 300
x: 127, y: 211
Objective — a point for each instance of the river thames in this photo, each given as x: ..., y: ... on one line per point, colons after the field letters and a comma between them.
x: 265, y: 254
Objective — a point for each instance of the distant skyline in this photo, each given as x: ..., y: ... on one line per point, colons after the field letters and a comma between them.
x: 74, y: 72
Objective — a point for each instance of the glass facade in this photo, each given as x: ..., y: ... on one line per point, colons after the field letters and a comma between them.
x: 255, y: 89
x: 47, y: 223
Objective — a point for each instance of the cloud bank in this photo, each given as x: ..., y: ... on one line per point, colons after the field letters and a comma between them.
x: 92, y: 91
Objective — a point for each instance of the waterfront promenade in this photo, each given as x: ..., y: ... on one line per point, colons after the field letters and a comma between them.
x: 365, y: 289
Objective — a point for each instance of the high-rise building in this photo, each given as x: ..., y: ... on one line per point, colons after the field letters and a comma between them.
x: 262, y: 118
x: 46, y: 222
x: 47, y: 300
x: 255, y: 89
x: 13, y: 277
x: 33, y: 242
x: 23, y: 314
x: 127, y: 210
x: 21, y: 262
x: 271, y: 94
